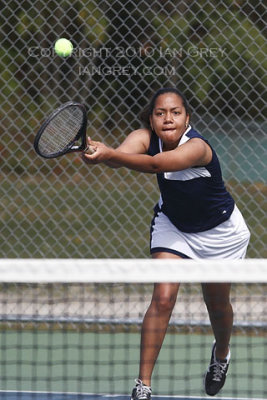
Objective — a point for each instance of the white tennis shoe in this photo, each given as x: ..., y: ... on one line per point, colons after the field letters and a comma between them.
x: 141, y: 391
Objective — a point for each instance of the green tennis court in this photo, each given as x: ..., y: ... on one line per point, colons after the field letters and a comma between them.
x: 86, y: 362
x: 75, y: 396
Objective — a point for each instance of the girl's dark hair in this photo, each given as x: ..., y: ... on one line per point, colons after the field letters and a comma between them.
x: 148, y: 111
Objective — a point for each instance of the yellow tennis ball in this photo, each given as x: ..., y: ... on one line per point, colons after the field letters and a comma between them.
x: 63, y: 47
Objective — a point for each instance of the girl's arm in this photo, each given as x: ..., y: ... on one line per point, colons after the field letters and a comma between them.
x: 137, y: 142
x: 195, y: 152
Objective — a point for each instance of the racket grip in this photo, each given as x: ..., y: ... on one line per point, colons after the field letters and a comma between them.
x: 89, y: 150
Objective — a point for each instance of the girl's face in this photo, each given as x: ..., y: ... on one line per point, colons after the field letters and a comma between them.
x: 169, y: 119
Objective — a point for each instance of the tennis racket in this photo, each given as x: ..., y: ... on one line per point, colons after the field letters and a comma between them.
x: 64, y: 131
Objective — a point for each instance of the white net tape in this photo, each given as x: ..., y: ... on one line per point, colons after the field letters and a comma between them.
x: 132, y: 270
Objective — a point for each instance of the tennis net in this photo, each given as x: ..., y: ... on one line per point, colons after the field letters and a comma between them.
x: 70, y: 329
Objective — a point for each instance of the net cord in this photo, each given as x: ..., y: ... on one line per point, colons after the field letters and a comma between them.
x: 132, y: 270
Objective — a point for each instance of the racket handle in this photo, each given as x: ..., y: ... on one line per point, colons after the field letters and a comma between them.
x: 89, y: 150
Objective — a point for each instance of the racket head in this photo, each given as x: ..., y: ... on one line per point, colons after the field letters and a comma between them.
x: 62, y: 130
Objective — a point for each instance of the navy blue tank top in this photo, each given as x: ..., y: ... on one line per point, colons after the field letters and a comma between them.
x: 194, y: 199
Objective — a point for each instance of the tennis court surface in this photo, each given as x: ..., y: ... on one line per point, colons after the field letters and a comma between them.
x: 70, y: 328
x: 73, y: 396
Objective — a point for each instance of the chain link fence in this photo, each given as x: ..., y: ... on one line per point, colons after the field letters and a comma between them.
x: 213, y: 51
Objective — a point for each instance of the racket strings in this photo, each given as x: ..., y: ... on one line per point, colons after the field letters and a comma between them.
x: 61, y: 131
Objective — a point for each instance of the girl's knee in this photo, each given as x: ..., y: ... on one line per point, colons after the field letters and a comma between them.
x: 164, y: 304
x: 220, y: 311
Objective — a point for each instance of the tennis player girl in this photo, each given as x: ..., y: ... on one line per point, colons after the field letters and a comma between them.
x: 195, y: 218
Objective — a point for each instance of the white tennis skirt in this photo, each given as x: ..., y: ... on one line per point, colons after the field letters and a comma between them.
x: 227, y: 240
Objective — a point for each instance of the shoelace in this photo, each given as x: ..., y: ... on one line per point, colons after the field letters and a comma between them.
x: 141, y: 389
x: 218, y: 371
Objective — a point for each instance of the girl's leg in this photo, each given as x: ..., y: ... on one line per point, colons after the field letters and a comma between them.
x: 155, y: 323
x: 154, y: 327
x: 217, y: 299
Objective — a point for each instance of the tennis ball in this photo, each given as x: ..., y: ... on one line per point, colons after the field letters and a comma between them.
x: 63, y: 47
